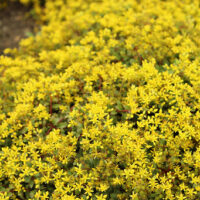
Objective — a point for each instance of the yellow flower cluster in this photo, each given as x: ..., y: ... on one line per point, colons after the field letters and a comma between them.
x: 103, y: 103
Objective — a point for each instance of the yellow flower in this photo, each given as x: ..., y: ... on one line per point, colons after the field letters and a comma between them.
x: 101, y: 197
x: 134, y: 196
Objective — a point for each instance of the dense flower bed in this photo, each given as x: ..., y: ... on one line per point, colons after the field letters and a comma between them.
x: 103, y: 103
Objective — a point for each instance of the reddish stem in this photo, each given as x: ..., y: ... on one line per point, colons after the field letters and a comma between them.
x: 51, y: 128
x: 100, y: 80
x: 79, y: 137
x: 71, y: 108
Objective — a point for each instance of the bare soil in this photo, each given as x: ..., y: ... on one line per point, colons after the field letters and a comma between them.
x: 15, y: 24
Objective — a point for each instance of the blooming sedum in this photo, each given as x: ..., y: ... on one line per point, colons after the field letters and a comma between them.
x: 103, y: 103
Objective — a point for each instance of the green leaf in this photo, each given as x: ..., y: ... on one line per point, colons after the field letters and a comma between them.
x: 62, y: 125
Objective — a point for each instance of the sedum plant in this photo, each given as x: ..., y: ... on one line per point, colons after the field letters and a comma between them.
x: 103, y: 103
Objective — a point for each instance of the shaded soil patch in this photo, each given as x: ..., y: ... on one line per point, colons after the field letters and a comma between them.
x: 15, y: 24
